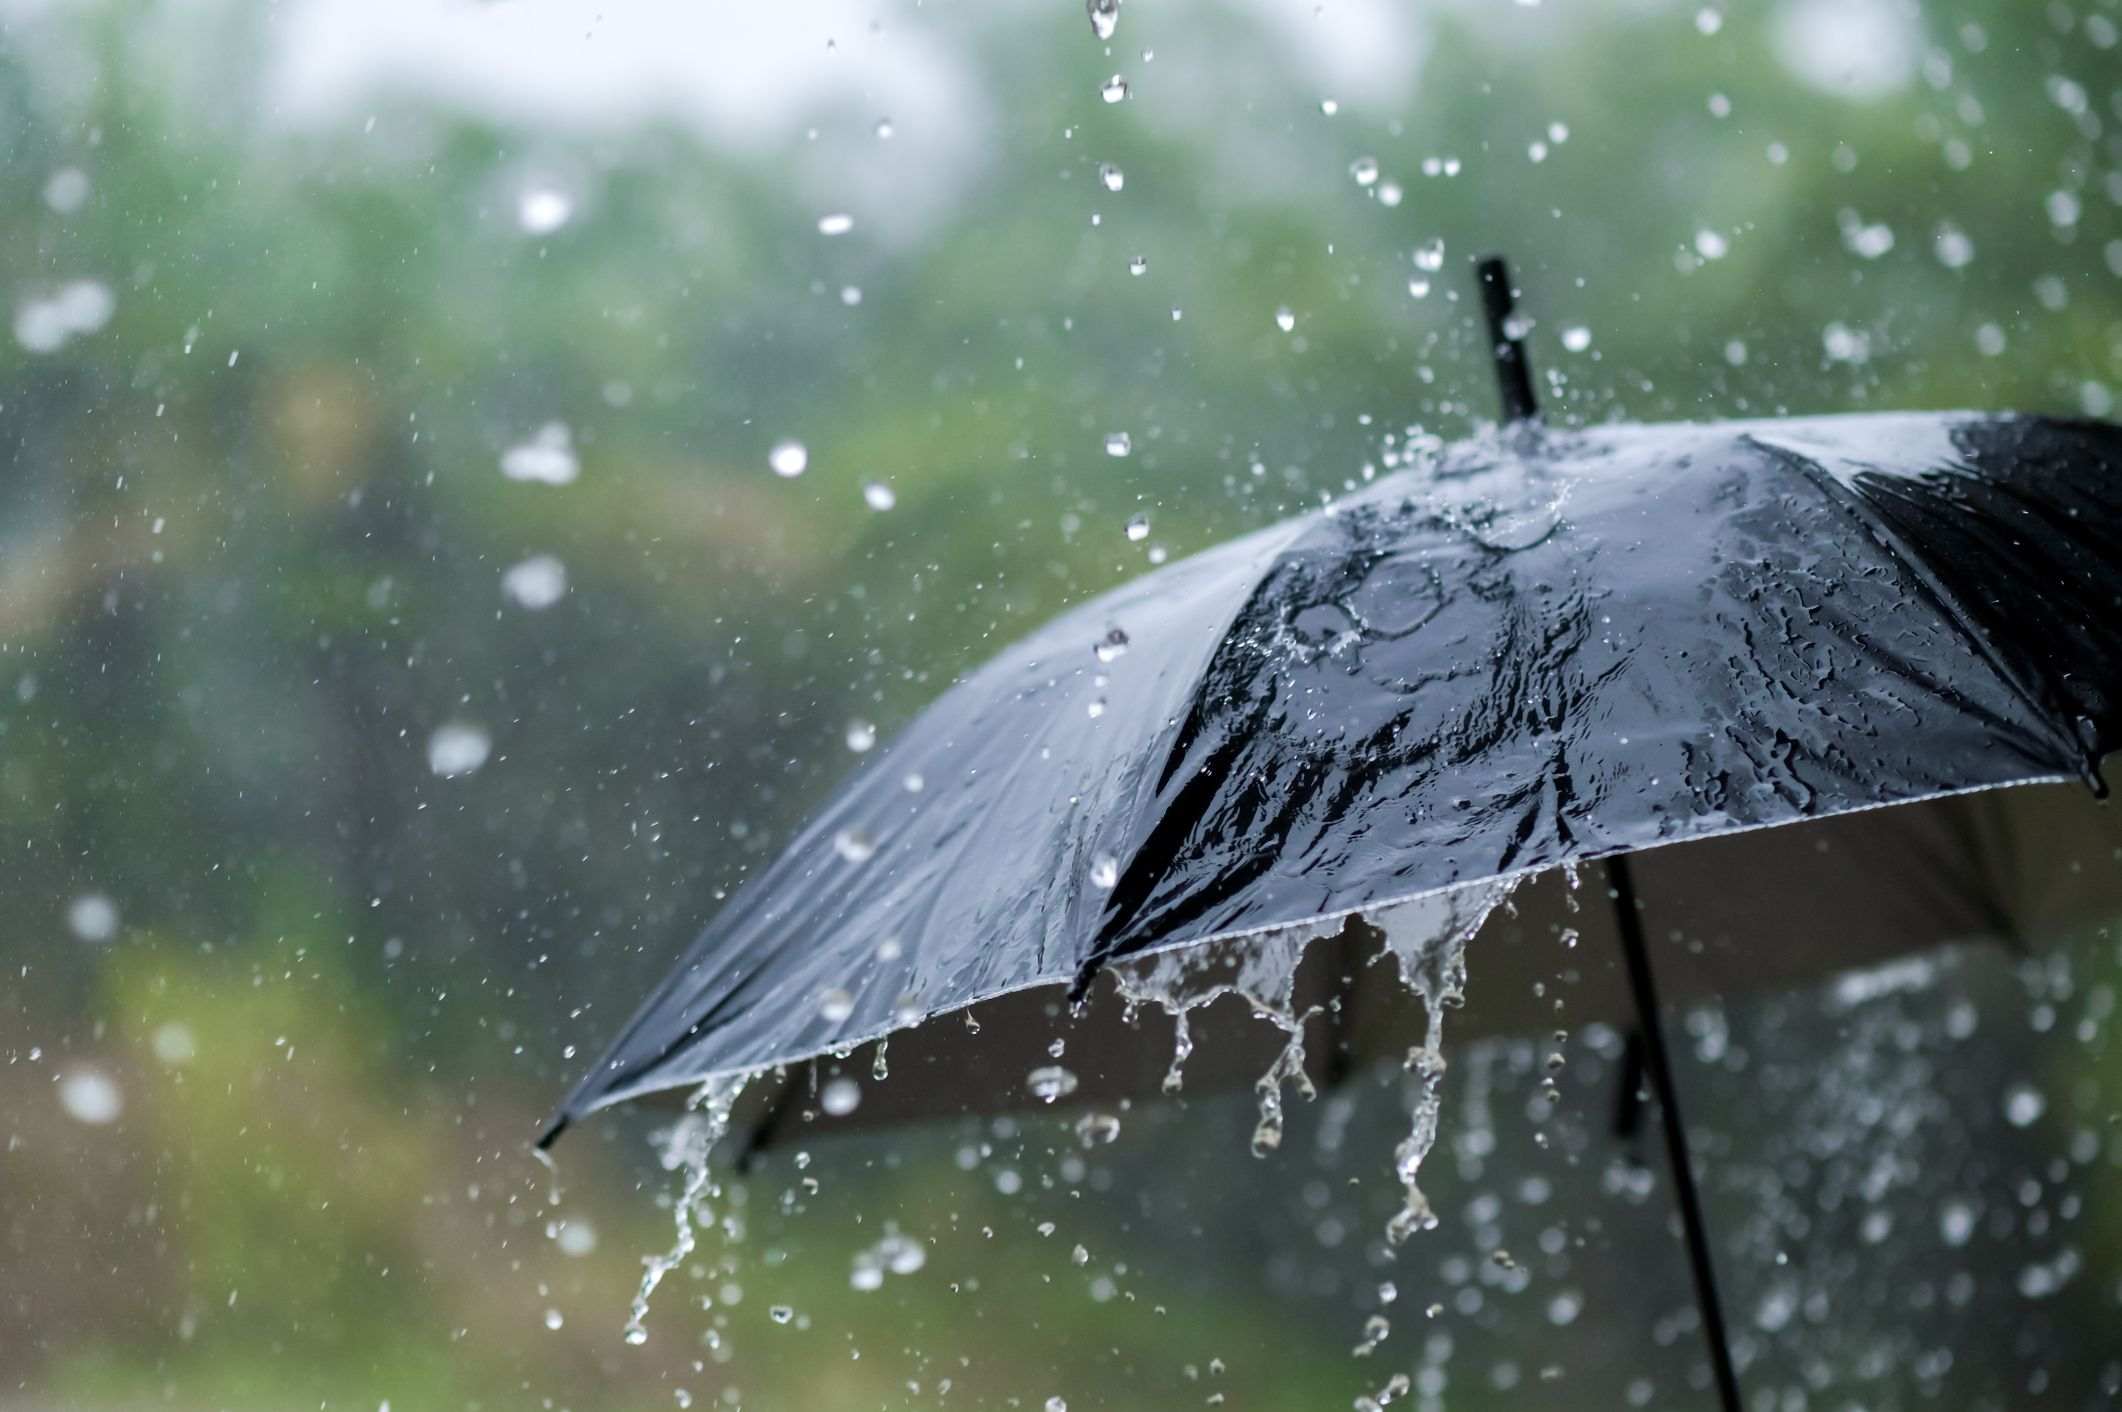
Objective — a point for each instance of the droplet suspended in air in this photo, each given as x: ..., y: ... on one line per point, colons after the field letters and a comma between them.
x: 861, y: 736
x: 555, y: 1320
x: 884, y: 129
x: 1364, y: 170
x: 2023, y: 1105
x: 1111, y: 177
x: 835, y: 1005
x: 1138, y: 265
x: 854, y: 845
x: 1138, y: 528
x: 1284, y: 319
x: 91, y: 1097
x: 458, y: 748
x: 1097, y: 1129
x: 1105, y: 872
x: 1115, y: 89
x: 835, y: 223
x: 1050, y: 1083
x: 1113, y: 646
x: 92, y: 917
x: 1429, y: 256
x: 878, y: 496
x: 536, y: 583
x: 1118, y: 443
x: 548, y: 458
x: 541, y: 210
x: 1104, y: 17
x: 1576, y: 338
x: 789, y: 459
x: 840, y: 1096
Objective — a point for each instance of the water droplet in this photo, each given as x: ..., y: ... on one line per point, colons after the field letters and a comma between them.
x: 1389, y: 193
x: 789, y: 459
x: 92, y: 917
x: 1055, y: 1404
x: 1050, y: 1083
x: 1138, y: 265
x: 1418, y: 287
x: 1138, y: 528
x: 1364, y: 170
x: 1115, y: 89
x: 1096, y: 707
x: 1097, y: 1129
x: 1111, y: 176
x: 458, y: 748
x: 2023, y: 1105
x: 1118, y: 443
x: 861, y: 736
x: 536, y: 583
x: 914, y: 782
x: 878, y: 496
x: 1104, y: 17
x: 90, y: 1096
x: 542, y: 210
x: 855, y: 845
x: 548, y: 458
x: 1576, y: 338
x: 1710, y: 245
x: 780, y: 1313
x: 1105, y: 872
x: 1430, y: 255
x: 637, y: 1336
x: 554, y: 1319
x: 1284, y: 319
x: 66, y: 190
x: 1953, y: 247
x: 835, y: 1005
x: 1113, y: 646
x: 837, y: 223
x: 840, y: 1096
x: 1329, y: 107
x: 884, y: 129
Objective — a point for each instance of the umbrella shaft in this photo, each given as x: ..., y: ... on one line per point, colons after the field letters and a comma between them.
x: 1659, y: 1065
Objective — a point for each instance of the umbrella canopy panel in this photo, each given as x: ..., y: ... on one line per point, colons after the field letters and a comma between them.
x: 1529, y: 651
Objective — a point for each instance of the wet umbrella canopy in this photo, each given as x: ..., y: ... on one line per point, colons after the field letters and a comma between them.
x: 1521, y: 653
x: 1532, y: 650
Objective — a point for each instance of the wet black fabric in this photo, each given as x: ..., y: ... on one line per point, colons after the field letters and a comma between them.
x: 1533, y: 649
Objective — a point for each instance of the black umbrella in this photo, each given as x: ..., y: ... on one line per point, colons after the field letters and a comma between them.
x: 1518, y: 654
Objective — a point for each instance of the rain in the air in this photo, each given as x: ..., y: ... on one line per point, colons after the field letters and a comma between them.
x: 1061, y: 706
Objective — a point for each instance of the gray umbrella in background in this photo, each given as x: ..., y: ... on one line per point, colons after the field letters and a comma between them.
x: 1514, y: 656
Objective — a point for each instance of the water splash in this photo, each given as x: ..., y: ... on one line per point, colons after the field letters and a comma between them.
x: 1262, y: 971
x: 1426, y: 939
x: 691, y: 1142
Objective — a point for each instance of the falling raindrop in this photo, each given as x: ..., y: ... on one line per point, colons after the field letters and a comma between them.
x: 878, y: 496
x: 1115, y: 89
x: 1118, y: 443
x: 90, y: 1096
x: 861, y: 736
x: 837, y: 223
x: 854, y: 845
x: 2023, y: 1105
x: 789, y: 459
x: 1138, y: 528
x: 835, y: 1005
x: 542, y: 210
x: 1113, y: 646
x: 1104, y: 17
x: 1097, y: 1129
x: 1364, y: 170
x: 1105, y: 872
x: 1430, y: 255
x: 548, y: 458
x: 1576, y: 338
x: 1138, y: 265
x: 536, y: 583
x: 1284, y: 319
x: 554, y: 1320
x: 884, y: 129
x: 458, y: 748
x: 1050, y: 1083
x: 92, y: 917
x: 840, y: 1097
x: 1111, y: 177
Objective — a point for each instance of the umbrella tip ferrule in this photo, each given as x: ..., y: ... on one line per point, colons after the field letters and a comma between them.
x: 1514, y: 379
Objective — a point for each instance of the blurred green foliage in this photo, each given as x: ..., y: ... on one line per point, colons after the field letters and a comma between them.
x: 252, y: 533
